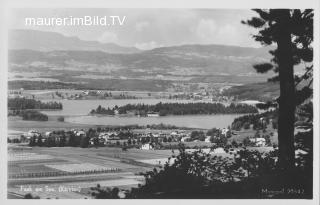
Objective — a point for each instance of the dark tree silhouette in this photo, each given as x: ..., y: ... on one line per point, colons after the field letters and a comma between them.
x: 84, y: 143
x: 292, y: 33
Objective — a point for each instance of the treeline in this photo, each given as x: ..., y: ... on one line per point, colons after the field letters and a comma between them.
x: 164, y: 109
x: 123, y: 96
x: 90, y: 138
x: 33, y: 115
x: 24, y: 104
x: 61, y: 138
x: 42, y: 85
x: 188, y: 108
x: 103, y: 111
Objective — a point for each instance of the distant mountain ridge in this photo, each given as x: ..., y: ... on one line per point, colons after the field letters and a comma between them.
x: 36, y: 55
x: 50, y: 41
x: 215, y: 49
x: 162, y: 61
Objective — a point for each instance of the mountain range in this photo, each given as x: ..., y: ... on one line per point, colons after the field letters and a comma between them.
x: 50, y: 55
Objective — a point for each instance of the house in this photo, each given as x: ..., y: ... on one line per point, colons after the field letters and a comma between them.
x: 98, y: 140
x: 105, y: 137
x: 263, y: 121
x: 47, y: 134
x: 161, y: 136
x: 86, y: 92
x: 175, y: 134
x: 218, y: 150
x: 224, y: 131
x: 260, y: 142
x: 300, y: 152
x: 32, y: 133
x: 147, y: 146
x: 14, y: 94
x: 152, y: 114
x: 185, y: 139
x: 207, y: 139
x: 79, y: 133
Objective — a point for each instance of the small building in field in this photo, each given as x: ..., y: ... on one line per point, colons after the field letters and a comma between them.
x: 207, y: 139
x: 147, y: 146
x: 47, y: 134
x: 185, y: 139
x: 152, y: 114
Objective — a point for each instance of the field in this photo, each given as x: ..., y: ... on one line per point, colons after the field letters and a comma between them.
x: 76, y: 167
x: 69, y: 172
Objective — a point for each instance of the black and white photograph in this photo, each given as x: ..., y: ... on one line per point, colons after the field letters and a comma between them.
x: 161, y: 103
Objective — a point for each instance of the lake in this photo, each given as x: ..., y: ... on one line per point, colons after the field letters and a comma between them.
x: 191, y: 121
x: 76, y: 111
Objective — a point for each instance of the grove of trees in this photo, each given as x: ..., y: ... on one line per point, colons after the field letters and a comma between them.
x: 178, y: 109
x: 25, y: 103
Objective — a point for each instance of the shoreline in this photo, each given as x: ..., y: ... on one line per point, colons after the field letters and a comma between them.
x: 24, y: 125
x: 20, y: 125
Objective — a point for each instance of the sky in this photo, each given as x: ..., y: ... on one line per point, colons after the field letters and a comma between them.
x: 150, y: 28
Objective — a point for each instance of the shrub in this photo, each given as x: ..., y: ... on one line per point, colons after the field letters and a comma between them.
x: 34, y: 115
x: 61, y: 119
x: 30, y: 196
x: 200, y: 175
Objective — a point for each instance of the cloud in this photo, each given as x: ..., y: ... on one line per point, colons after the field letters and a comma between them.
x: 206, y: 29
x: 148, y: 27
x: 141, y: 25
x: 148, y: 45
x: 228, y: 35
x: 108, y: 37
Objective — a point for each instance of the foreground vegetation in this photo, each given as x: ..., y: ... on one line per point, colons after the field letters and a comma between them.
x: 257, y: 121
x: 250, y: 174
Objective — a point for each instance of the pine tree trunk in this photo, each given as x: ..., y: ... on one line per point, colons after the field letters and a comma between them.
x: 287, y: 94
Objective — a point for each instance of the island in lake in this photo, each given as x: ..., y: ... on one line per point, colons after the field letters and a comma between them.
x: 164, y: 109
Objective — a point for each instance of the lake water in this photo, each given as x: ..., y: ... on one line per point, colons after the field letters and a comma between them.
x: 76, y: 111
x: 192, y: 121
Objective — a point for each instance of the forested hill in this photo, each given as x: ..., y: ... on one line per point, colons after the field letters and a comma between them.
x: 255, y: 91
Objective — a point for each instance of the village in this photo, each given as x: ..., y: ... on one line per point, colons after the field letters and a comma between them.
x: 147, y: 139
x: 200, y: 91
